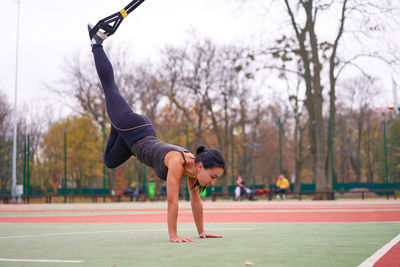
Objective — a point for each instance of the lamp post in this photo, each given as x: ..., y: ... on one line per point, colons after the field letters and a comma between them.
x: 14, y: 160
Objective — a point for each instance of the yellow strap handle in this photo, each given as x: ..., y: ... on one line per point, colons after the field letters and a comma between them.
x: 123, y: 13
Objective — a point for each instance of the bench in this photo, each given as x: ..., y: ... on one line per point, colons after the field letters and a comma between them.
x: 300, y: 194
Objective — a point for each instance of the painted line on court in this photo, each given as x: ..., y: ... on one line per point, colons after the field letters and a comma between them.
x: 120, y: 231
x: 380, y: 253
x: 40, y: 260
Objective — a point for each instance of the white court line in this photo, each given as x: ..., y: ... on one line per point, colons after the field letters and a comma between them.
x: 119, y: 231
x: 41, y: 261
x: 379, y: 254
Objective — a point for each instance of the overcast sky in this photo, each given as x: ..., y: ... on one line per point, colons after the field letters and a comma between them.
x: 52, y: 30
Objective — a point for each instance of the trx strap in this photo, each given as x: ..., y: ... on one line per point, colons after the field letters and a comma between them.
x: 110, y: 24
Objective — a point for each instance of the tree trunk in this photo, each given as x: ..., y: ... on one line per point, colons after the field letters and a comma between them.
x: 332, y: 92
x: 298, y: 148
x: 321, y: 183
x: 314, y: 98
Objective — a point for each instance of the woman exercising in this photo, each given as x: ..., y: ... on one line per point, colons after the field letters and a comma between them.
x: 133, y: 134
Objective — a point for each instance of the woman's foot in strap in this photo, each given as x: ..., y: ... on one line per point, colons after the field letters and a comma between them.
x: 98, y: 38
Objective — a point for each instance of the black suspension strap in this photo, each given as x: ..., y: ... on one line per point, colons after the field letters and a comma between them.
x: 110, y: 24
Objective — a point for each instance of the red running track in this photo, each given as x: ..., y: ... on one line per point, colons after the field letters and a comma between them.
x: 391, y: 258
x: 24, y: 209
x: 219, y: 217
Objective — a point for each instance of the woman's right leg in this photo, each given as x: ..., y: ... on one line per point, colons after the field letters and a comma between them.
x: 119, y: 112
x: 130, y: 126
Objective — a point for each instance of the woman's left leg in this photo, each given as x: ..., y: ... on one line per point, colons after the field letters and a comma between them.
x: 117, y: 152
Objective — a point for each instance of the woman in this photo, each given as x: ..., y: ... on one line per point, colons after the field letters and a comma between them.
x: 133, y: 134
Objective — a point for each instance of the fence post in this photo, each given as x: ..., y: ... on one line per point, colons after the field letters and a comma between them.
x: 280, y: 145
x: 24, y: 191
x: 65, y: 167
x: 384, y: 143
x: 104, y: 165
x: 144, y: 181
x: 233, y: 157
x: 28, y: 173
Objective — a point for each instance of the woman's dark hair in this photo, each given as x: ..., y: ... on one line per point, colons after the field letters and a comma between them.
x: 210, y: 159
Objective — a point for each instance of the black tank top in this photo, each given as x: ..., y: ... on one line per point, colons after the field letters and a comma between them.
x: 151, y: 151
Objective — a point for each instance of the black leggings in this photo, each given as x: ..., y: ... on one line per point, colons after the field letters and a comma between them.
x: 127, y: 127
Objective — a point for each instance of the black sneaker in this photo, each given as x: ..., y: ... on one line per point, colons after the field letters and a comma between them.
x: 99, y: 37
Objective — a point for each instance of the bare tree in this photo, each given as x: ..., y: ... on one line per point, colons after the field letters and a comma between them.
x: 5, y: 110
x: 359, y: 92
x: 174, y: 76
x: 201, y: 80
x: 5, y: 143
x: 313, y: 50
x: 81, y: 89
x: 212, y: 86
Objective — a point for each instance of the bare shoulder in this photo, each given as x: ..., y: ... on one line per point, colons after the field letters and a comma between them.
x: 173, y: 158
x: 175, y: 164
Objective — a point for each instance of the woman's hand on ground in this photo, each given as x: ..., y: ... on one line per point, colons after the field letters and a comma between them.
x: 180, y: 239
x: 205, y: 235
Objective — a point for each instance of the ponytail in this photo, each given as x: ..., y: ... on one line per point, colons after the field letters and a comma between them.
x: 201, y: 149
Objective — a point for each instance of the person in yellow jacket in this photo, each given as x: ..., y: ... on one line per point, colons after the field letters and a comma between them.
x: 282, y: 186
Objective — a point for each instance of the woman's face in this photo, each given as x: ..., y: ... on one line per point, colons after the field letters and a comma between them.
x: 208, y: 177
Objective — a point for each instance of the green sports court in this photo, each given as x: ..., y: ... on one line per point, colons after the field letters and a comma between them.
x: 289, y: 233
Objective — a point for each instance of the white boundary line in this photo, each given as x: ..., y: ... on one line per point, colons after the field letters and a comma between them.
x: 40, y: 260
x: 119, y: 231
x: 379, y: 254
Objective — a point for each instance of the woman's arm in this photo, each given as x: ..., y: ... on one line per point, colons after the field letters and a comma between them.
x: 197, y: 205
x: 197, y: 209
x: 175, y: 172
